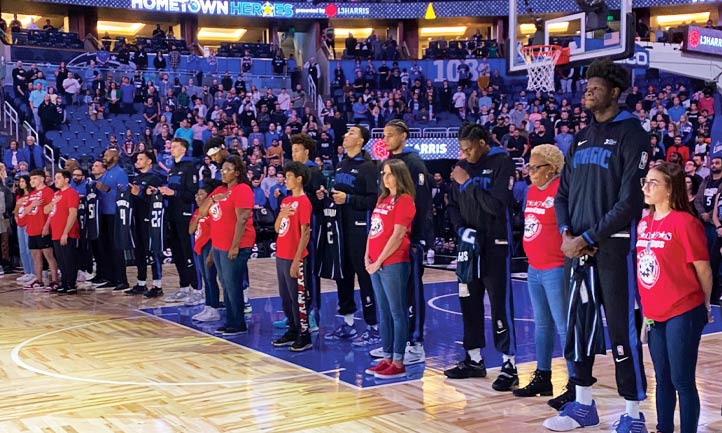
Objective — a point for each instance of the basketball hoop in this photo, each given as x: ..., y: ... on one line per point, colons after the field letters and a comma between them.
x: 541, y: 61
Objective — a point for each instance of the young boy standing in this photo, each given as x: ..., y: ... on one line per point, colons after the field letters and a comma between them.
x: 293, y: 226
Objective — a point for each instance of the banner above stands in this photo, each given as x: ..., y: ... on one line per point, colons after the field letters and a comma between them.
x: 429, y: 148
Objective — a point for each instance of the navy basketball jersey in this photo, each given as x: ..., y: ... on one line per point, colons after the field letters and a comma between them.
x: 329, y: 243
x: 123, y: 217
x: 157, y: 212
x: 468, y: 259
x: 92, y: 218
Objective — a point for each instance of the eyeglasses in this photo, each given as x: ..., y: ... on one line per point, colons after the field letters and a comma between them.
x: 651, y: 183
x: 534, y: 168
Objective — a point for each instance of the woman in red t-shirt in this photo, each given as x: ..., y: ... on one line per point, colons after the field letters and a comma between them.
x: 24, y: 190
x: 232, y: 238
x: 387, y: 262
x: 675, y: 283
x: 542, y: 244
x: 200, y: 228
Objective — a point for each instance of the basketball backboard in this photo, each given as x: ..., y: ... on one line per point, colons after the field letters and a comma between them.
x: 589, y: 28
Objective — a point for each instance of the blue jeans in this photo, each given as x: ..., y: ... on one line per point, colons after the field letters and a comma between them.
x: 210, y: 278
x: 25, y: 257
x: 231, y: 273
x: 549, y: 301
x: 389, y: 284
x: 673, y: 345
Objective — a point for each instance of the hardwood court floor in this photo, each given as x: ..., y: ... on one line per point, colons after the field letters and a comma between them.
x: 93, y: 364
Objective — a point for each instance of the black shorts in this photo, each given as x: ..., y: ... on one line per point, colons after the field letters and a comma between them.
x: 40, y: 242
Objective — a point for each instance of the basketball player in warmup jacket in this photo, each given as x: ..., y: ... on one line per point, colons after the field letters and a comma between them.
x: 598, y: 204
x: 85, y: 258
x: 355, y: 191
x: 145, y: 217
x: 480, y: 199
x: 396, y: 132
x: 180, y: 195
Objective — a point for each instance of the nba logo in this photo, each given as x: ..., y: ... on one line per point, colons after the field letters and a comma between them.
x: 620, y: 350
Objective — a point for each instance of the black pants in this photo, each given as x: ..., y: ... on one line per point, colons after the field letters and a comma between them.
x: 141, y: 239
x: 313, y: 281
x: 85, y: 256
x: 180, y: 246
x: 353, y: 264
x: 496, y: 281
x: 67, y: 257
x: 615, y: 284
x: 113, y: 261
x: 293, y: 295
x: 415, y: 294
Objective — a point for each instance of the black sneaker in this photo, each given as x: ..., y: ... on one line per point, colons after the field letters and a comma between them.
x: 70, y: 291
x: 286, y: 339
x: 508, y: 379
x: 220, y: 330
x: 121, y: 286
x: 60, y: 290
x: 97, y: 280
x: 303, y: 342
x: 540, y: 384
x: 154, y: 292
x: 104, y: 285
x: 231, y: 331
x: 136, y: 290
x: 466, y: 369
x: 569, y: 394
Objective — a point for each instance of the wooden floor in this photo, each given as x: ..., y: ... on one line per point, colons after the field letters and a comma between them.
x: 93, y: 364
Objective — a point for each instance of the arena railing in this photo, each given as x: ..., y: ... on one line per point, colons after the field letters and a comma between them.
x: 11, y: 120
x: 436, y: 132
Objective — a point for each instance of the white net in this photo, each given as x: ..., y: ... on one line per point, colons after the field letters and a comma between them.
x: 541, y: 61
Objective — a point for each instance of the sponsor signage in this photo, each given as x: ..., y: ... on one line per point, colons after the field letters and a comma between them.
x: 428, y: 148
x: 703, y: 41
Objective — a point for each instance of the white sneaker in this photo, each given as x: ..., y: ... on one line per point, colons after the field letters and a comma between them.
x: 179, y: 296
x: 195, y: 298
x: 25, y: 278
x: 377, y: 353
x: 84, y: 276
x: 209, y: 314
x: 414, y: 353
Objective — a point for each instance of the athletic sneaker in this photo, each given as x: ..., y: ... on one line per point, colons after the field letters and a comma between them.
x: 231, y: 331
x: 574, y: 415
x: 343, y: 332
x: 378, y: 367
x: 312, y: 324
x: 34, y: 285
x: 84, y: 276
x: 220, y: 330
x: 53, y: 287
x: 154, y: 292
x: 247, y: 309
x: 121, y: 287
x: 569, y: 395
x: 104, y: 285
x: 209, y: 314
x: 70, y: 291
x: 627, y: 424
x: 286, y: 339
x: 281, y: 324
x: 25, y: 278
x: 508, y: 378
x: 179, y: 296
x: 377, y: 353
x: 414, y: 353
x: 466, y: 369
x: 391, y: 372
x: 136, y: 290
x: 195, y: 298
x: 370, y: 337
x: 303, y: 342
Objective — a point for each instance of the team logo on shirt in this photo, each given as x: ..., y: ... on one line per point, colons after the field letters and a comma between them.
x: 283, y: 229
x: 377, y: 227
x: 647, y: 268
x: 641, y: 228
x: 532, y: 227
x: 215, y: 212
x: 548, y: 203
x: 199, y: 231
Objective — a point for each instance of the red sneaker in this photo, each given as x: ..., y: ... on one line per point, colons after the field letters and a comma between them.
x: 380, y: 366
x: 391, y: 372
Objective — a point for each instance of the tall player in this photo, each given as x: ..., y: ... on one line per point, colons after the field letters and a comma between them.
x: 480, y: 200
x: 396, y: 132
x: 141, y: 189
x: 597, y: 205
x: 65, y: 231
x: 180, y: 194
x: 355, y: 192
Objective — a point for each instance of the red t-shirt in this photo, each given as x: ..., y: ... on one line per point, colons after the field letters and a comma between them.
x: 388, y: 213
x: 20, y: 218
x: 223, y: 217
x: 542, y: 240
x: 69, y: 199
x: 203, y: 233
x: 666, y: 250
x: 289, y: 234
x: 34, y: 214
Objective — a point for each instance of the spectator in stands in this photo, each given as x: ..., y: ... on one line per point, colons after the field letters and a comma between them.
x: 150, y: 113
x: 114, y: 97
x: 174, y: 58
x: 679, y: 148
x: 34, y: 154
x: 15, y: 27
x: 158, y: 32
x: 127, y: 96
x: 48, y: 26
x: 564, y: 139
x: 140, y: 57
x: 298, y: 99
x: 159, y: 62
x: 13, y: 156
x: 32, y: 25
x: 246, y: 62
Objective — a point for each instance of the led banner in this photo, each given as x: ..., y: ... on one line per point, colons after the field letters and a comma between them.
x: 703, y: 41
x: 428, y: 148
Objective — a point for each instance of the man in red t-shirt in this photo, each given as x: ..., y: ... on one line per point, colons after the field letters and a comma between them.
x: 65, y: 231
x: 38, y: 230
x: 293, y: 226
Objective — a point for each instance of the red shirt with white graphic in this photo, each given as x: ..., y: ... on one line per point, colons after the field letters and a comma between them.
x: 289, y: 234
x: 666, y: 251
x: 20, y: 218
x: 69, y: 199
x: 389, y: 212
x: 542, y: 240
x: 203, y: 233
x: 223, y: 217
x: 34, y: 215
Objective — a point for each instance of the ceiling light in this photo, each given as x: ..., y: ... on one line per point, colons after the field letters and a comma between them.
x: 443, y: 31
x: 673, y: 20
x: 342, y: 33
x: 119, y: 28
x: 220, y: 34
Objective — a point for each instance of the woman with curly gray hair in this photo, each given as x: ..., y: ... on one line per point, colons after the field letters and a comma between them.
x: 542, y: 243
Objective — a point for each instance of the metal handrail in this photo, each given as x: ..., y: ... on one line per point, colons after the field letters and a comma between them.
x: 29, y: 128
x: 49, y: 154
x: 10, y: 119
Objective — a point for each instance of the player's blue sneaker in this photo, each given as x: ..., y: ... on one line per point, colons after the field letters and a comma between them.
x: 627, y: 424
x: 573, y: 415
